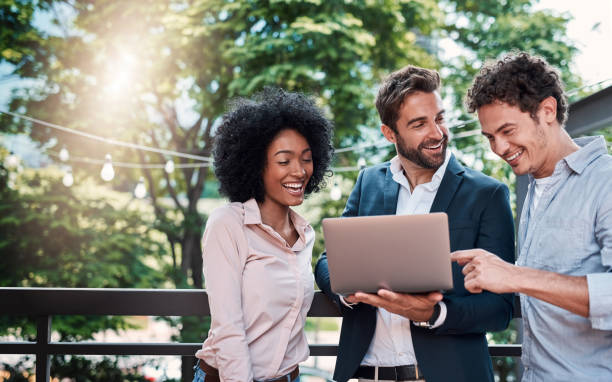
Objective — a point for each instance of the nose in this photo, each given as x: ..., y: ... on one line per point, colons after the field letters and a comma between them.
x: 298, y: 169
x: 437, y: 131
x: 500, y: 146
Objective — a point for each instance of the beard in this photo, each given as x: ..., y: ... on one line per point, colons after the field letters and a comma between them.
x: 419, y: 156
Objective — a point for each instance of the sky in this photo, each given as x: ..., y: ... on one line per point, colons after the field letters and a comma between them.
x: 591, y: 29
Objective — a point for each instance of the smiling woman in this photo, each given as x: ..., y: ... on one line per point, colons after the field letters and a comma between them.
x: 270, y: 152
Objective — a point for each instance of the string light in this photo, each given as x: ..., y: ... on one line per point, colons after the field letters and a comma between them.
x: 336, y: 193
x: 64, y: 155
x: 379, y: 143
x: 108, y: 173
x: 107, y: 140
x: 169, y: 166
x: 12, y: 161
x: 140, y: 191
x: 131, y: 164
x: 68, y: 179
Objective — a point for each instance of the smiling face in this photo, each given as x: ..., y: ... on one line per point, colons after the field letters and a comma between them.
x: 420, y: 135
x: 519, y: 139
x: 288, y: 169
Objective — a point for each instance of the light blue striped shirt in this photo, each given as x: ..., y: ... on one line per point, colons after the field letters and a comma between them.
x: 570, y: 232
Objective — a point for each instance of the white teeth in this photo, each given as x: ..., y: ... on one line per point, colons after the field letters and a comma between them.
x: 434, y: 147
x: 513, y: 157
x: 293, y: 185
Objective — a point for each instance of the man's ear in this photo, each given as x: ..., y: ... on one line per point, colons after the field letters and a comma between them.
x: 388, y: 133
x: 547, y: 111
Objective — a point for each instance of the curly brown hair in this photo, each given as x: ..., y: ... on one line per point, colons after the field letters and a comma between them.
x: 521, y: 80
x: 399, y: 84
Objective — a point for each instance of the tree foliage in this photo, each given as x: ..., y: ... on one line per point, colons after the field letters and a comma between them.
x: 161, y: 74
x: 53, y: 236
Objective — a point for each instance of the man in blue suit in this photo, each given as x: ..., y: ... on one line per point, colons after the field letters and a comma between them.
x: 434, y: 336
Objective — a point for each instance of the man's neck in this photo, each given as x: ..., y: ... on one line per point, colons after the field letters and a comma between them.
x: 416, y: 174
x: 560, y: 146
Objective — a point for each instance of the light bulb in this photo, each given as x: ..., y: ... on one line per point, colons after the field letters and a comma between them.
x: 335, y: 193
x: 107, y: 173
x: 64, y: 155
x: 68, y: 179
x: 169, y: 167
x: 12, y: 161
x: 361, y: 163
x: 140, y: 191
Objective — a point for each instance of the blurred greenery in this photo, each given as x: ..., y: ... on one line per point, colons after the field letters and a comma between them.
x: 84, y: 236
x: 321, y: 323
x: 54, y: 236
x: 78, y: 369
x: 160, y: 72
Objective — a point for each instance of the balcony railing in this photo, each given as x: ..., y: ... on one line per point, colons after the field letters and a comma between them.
x: 44, y: 303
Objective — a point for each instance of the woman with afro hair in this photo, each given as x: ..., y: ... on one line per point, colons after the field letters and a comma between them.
x: 269, y: 153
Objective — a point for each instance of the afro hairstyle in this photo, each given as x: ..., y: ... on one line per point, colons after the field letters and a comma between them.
x: 249, y: 127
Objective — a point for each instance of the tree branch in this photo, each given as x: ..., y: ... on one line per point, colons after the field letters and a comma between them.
x: 193, y: 130
x: 171, y: 122
x: 197, y: 190
x: 159, y: 211
x: 169, y: 187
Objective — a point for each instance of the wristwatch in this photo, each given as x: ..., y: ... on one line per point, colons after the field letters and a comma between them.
x: 430, y: 323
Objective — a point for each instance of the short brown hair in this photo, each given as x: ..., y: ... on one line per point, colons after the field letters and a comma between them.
x: 396, y: 86
x: 519, y: 80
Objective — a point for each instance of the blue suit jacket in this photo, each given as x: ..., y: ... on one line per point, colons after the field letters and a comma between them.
x: 479, y: 216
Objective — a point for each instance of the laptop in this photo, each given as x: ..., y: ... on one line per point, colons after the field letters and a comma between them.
x: 402, y: 253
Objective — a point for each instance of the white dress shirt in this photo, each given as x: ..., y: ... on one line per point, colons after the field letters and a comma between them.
x: 392, y: 341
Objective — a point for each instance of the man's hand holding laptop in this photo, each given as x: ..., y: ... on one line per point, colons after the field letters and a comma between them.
x: 416, y: 307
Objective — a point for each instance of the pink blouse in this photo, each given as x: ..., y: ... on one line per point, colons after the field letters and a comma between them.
x: 259, y: 291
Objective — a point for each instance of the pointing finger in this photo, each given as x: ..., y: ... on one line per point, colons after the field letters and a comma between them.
x: 462, y: 257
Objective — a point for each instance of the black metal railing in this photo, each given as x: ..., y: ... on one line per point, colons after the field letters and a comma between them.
x: 44, y: 303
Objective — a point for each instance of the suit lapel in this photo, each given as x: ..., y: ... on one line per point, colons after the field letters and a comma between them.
x: 453, y: 176
x: 390, y: 193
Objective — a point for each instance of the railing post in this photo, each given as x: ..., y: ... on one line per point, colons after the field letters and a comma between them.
x: 43, y: 336
x: 187, y: 364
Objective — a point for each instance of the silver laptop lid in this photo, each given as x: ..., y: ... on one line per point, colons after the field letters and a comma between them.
x: 402, y: 253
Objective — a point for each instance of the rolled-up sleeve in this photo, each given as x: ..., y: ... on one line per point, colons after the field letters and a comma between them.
x: 223, y: 265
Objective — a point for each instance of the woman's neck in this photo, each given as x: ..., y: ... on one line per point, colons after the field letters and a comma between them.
x: 277, y: 217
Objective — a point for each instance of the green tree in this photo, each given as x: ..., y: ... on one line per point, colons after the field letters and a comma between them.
x: 21, y: 44
x: 54, y: 236
x: 161, y: 74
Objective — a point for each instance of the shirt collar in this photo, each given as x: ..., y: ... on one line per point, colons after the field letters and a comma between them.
x: 590, y: 149
x: 252, y: 215
x: 398, y: 171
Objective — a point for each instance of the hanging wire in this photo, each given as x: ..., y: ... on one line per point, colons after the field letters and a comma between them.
x: 131, y: 164
x: 346, y: 169
x: 379, y: 143
x: 358, y: 147
x: 107, y: 140
x: 571, y: 92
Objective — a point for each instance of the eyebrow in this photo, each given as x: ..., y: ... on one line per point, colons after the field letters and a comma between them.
x: 290, y: 151
x: 418, y: 119
x: 499, y: 128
